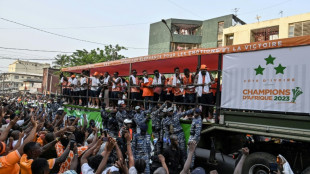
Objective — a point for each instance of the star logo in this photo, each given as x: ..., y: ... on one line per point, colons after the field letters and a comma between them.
x: 259, y: 70
x: 280, y: 69
x: 270, y: 59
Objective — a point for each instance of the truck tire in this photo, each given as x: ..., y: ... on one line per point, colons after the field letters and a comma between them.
x: 258, y: 163
x: 306, y: 171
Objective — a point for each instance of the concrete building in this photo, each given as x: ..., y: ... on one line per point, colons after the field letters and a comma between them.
x: 22, y: 76
x: 20, y: 66
x: 189, y: 34
x: 50, y: 81
x: 285, y: 27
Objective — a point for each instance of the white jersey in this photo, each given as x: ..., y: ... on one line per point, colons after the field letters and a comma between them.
x: 83, y: 81
x: 94, y: 83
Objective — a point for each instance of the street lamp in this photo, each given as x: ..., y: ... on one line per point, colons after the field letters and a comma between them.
x: 171, y: 37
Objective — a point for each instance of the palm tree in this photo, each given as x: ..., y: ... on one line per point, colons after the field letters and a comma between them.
x: 62, y: 60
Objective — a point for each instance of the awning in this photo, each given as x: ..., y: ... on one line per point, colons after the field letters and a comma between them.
x: 166, y: 62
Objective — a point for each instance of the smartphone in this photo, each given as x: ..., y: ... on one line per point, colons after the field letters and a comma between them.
x: 72, y: 144
x: 105, y: 133
x: 273, y: 167
x: 105, y: 139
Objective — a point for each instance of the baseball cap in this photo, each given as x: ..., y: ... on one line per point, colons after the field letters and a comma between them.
x: 198, y: 170
x: 137, y: 107
x: 126, y: 121
x: 73, y: 76
x: 164, y: 110
x: 96, y: 73
x: 170, y: 109
x: 203, y: 67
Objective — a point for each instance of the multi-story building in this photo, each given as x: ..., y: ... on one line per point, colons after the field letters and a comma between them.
x: 285, y: 27
x: 22, y: 76
x: 188, y: 34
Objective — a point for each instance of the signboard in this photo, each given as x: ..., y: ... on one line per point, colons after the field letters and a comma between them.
x: 269, y: 80
x: 287, y: 42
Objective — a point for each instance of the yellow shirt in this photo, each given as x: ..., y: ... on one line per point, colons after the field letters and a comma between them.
x: 8, y: 163
x: 25, y: 164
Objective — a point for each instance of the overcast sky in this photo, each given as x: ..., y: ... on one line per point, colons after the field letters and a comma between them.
x: 124, y: 22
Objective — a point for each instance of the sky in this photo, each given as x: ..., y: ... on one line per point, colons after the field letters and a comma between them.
x: 123, y: 22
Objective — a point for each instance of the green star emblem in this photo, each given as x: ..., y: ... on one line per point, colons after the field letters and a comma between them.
x: 270, y: 59
x: 259, y: 70
x: 280, y: 69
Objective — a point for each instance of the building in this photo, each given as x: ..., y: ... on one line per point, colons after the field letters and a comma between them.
x: 23, y: 76
x: 20, y: 66
x: 285, y: 27
x: 50, y: 82
x: 188, y: 34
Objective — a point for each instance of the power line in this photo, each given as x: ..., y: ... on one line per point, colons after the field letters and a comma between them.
x: 26, y: 49
x: 91, y: 27
x: 274, y: 5
x: 60, y: 35
x: 10, y: 58
x: 177, y: 5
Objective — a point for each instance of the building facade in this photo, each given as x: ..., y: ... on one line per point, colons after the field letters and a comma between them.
x: 22, y: 76
x: 188, y: 34
x: 280, y: 28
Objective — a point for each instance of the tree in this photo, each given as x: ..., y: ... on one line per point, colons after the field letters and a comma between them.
x: 61, y: 61
x: 83, y: 57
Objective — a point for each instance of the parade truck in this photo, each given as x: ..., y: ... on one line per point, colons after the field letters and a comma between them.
x: 265, y: 106
x: 262, y: 101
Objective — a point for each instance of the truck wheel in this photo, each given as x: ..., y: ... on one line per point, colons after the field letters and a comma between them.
x: 258, y: 163
x: 306, y: 171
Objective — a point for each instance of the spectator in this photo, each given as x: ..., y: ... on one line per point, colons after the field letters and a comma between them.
x: 148, y: 92
x: 173, y: 156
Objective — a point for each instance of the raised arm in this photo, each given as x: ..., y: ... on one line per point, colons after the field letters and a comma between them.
x: 5, y: 133
x: 75, y: 160
x: 30, y: 137
x: 192, y: 146
x: 63, y: 156
x: 129, y: 151
x: 88, y: 153
x: 245, y: 153
x: 49, y: 145
x: 163, y: 163
x: 109, y: 147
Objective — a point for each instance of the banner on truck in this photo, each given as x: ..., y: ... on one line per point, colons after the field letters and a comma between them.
x: 268, y: 80
x: 96, y: 116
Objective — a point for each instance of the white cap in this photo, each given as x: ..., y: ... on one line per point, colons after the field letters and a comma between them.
x: 170, y: 109
x: 60, y: 109
x: 126, y: 121
x: 164, y: 110
x: 137, y: 107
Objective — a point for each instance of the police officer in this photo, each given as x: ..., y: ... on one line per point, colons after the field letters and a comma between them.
x: 113, y: 125
x: 177, y: 129
x: 104, y: 116
x: 121, y: 115
x: 156, y: 127
x: 141, y: 146
x: 195, y: 129
x: 140, y: 117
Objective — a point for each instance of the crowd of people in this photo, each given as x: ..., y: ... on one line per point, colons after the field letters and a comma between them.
x: 186, y: 89
x: 37, y: 136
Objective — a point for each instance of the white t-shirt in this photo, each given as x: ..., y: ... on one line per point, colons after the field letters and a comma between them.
x: 86, y: 169
x: 132, y: 170
x: 83, y: 81
x: 94, y: 82
x: 75, y: 82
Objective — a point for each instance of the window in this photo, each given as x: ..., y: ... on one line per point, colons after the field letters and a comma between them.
x: 22, y: 77
x: 220, y: 34
x: 28, y: 77
x: 264, y: 34
x: 186, y: 29
x: 16, y: 77
x: 21, y: 84
x: 183, y: 46
x: 229, y: 39
x: 299, y: 29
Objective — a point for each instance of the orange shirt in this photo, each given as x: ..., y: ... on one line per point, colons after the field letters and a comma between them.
x: 176, y: 90
x: 40, y: 141
x: 213, y: 88
x: 8, y: 163
x: 117, y: 86
x: 60, y: 150
x: 147, y: 91
x: 25, y: 164
x: 188, y: 81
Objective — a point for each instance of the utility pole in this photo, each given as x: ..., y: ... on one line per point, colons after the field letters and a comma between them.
x: 257, y: 18
x: 235, y: 10
x: 281, y: 13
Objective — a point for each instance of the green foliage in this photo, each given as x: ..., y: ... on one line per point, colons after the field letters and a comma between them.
x: 84, y: 57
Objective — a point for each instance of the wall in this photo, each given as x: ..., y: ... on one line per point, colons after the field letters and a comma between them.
x: 27, y: 67
x: 242, y: 33
x: 50, y: 82
x: 210, y: 28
